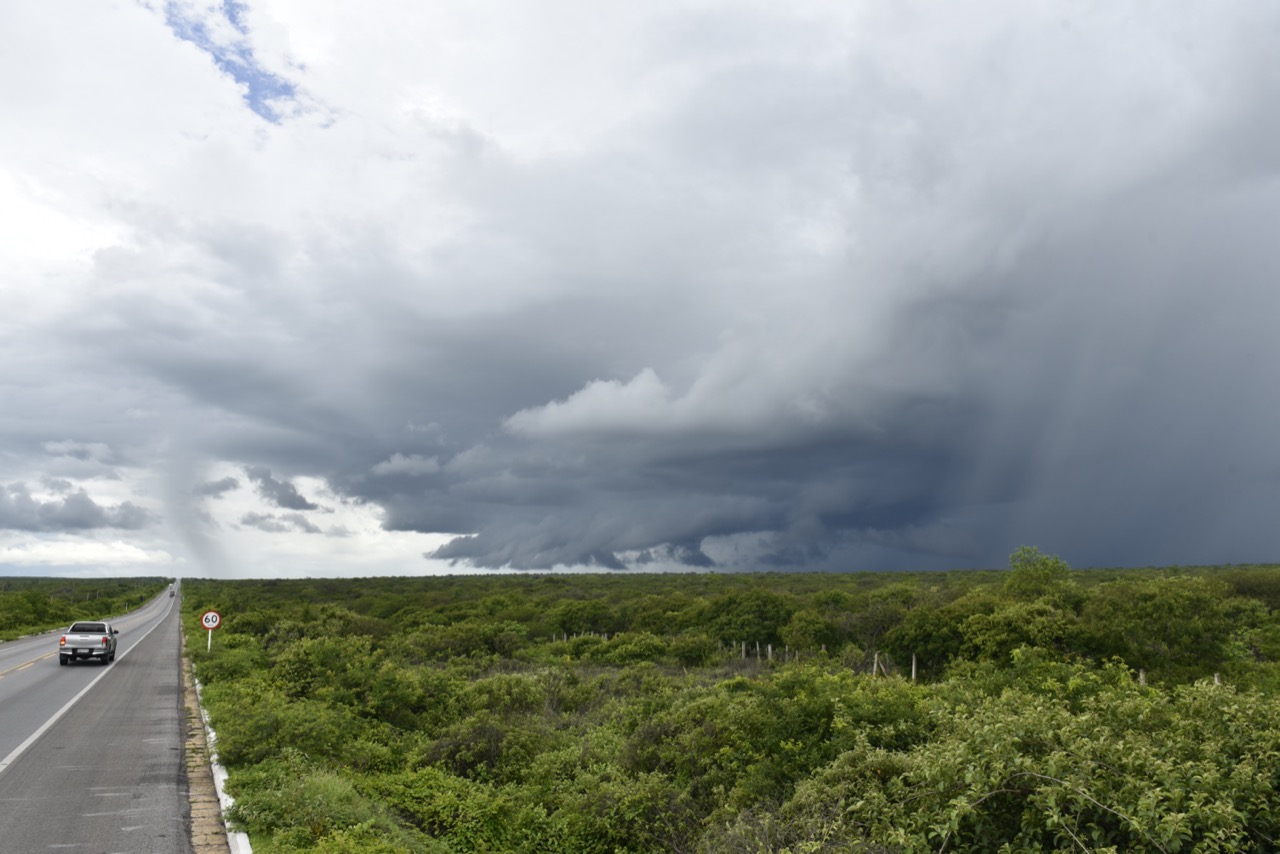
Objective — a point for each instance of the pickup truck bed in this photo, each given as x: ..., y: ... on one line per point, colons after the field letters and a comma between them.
x: 88, y: 639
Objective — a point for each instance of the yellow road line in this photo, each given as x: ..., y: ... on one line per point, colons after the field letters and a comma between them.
x: 27, y: 664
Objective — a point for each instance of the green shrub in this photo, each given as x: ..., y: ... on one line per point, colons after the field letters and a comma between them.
x: 434, y: 714
x: 695, y: 650
x: 465, y: 814
x: 293, y: 805
x: 630, y: 648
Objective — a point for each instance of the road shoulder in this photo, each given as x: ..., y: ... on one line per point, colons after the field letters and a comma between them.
x: 208, y: 833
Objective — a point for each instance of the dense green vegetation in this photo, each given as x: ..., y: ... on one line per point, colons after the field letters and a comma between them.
x: 33, y: 605
x: 1054, y: 710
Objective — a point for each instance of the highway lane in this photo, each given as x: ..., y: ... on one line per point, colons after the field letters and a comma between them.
x: 108, y: 775
x: 33, y: 686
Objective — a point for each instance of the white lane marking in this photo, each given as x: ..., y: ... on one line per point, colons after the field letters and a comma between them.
x: 21, y: 748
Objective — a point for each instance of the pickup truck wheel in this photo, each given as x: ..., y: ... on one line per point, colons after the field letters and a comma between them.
x: 62, y: 659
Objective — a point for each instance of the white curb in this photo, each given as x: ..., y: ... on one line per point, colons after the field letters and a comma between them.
x: 238, y: 841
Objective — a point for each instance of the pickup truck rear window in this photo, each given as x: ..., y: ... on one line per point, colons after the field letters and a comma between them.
x: 88, y: 628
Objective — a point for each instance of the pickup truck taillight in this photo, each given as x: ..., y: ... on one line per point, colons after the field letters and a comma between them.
x: 62, y: 641
x: 106, y: 641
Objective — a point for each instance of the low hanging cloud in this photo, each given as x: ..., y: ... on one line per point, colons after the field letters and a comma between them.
x: 217, y: 488
x: 77, y: 511
x: 282, y: 523
x: 96, y: 451
x: 280, y: 493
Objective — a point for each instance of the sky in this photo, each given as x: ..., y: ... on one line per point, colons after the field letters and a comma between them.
x: 402, y: 287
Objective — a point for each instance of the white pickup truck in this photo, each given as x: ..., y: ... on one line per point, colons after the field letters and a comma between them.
x: 85, y: 639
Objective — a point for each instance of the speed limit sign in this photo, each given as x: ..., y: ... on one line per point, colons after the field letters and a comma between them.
x: 210, y: 620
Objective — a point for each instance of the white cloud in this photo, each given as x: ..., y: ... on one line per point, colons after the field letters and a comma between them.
x: 116, y: 554
x: 602, y: 406
x: 45, y: 230
x: 407, y: 464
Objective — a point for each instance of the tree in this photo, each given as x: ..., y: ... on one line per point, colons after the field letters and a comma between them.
x: 1035, y: 574
x: 756, y: 615
x: 1177, y: 626
x: 809, y: 630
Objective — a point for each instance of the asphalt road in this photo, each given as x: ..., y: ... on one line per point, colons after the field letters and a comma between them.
x: 108, y: 775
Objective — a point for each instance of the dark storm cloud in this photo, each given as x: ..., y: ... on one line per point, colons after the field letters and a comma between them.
x: 280, y: 523
x: 268, y: 522
x: 77, y: 511
x: 685, y: 555
x: 217, y: 488
x: 631, y: 500
x: 280, y: 493
x: 1090, y: 377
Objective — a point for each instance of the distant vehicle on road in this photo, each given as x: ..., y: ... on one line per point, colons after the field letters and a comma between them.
x: 92, y: 640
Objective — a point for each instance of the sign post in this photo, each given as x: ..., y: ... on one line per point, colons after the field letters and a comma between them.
x: 210, y: 620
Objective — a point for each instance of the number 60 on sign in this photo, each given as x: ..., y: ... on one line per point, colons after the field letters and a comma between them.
x: 210, y: 620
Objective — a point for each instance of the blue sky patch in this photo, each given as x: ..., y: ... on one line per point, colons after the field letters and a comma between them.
x: 263, y: 90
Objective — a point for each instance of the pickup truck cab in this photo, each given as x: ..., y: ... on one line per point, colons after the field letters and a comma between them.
x: 88, y: 639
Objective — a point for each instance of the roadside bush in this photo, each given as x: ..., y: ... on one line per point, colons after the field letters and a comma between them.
x: 266, y: 722
x: 695, y: 650
x: 227, y: 664
x: 466, y: 729
x: 293, y: 806
x: 629, y: 648
x: 465, y: 814
x: 1026, y: 771
x: 605, y: 809
x: 32, y: 605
